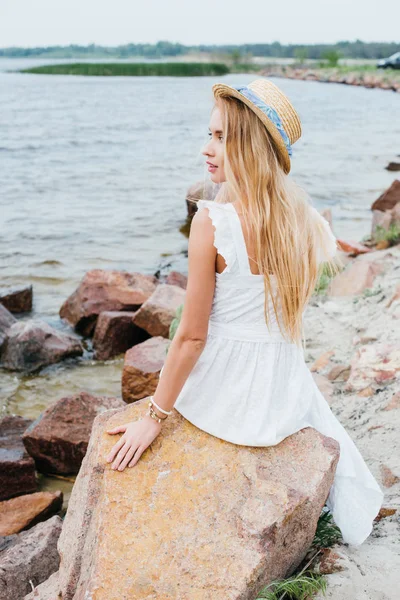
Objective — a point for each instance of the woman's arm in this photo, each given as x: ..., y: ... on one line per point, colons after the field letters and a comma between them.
x: 191, y: 334
x: 185, y: 348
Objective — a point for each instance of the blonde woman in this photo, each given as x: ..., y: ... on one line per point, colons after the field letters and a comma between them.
x: 236, y: 367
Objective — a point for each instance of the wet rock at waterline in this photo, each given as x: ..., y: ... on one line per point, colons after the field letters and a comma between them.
x: 6, y: 320
x: 32, y: 345
x: 17, y: 300
x: 142, y: 366
x: 17, y: 468
x: 393, y: 166
x: 26, y: 511
x: 58, y: 438
x: 101, y: 291
x: 115, y: 333
x: 156, y: 314
x: 268, y: 502
x: 29, y: 559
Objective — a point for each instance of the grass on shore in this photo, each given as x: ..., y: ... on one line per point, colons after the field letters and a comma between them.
x: 132, y: 69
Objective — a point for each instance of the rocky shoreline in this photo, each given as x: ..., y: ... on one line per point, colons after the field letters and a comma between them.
x: 367, y: 79
x: 352, y: 349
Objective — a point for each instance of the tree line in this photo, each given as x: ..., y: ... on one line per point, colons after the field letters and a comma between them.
x: 165, y: 49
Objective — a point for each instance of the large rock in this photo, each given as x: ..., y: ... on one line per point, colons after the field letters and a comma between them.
x: 142, y: 366
x: 355, y: 278
x: 30, y: 559
x: 232, y: 517
x: 105, y: 290
x: 59, y: 437
x: 115, y: 333
x: 6, y: 320
x: 156, y: 314
x: 389, y: 198
x: 31, y: 345
x: 25, y: 511
x: 17, y: 468
x: 17, y: 300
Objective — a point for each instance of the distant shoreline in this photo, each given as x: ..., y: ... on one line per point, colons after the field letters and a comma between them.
x: 177, y: 69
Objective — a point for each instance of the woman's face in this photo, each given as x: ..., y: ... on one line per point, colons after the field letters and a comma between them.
x: 214, y: 149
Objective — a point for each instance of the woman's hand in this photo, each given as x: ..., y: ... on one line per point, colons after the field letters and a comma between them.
x: 138, y: 435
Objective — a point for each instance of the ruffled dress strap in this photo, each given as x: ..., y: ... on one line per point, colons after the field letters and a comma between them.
x: 223, y: 241
x: 327, y: 243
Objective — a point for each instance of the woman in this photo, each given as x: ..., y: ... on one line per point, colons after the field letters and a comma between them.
x: 235, y: 367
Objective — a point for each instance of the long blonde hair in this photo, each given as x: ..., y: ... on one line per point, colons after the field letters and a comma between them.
x: 287, y: 236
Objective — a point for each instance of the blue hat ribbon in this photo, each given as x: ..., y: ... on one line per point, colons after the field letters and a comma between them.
x: 268, y: 110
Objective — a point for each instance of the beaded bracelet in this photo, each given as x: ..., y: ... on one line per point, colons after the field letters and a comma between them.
x: 166, y: 412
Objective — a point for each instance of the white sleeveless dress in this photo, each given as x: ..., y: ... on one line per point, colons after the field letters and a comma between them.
x: 252, y: 387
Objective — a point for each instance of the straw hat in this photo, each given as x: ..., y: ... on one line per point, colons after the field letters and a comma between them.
x: 273, y: 108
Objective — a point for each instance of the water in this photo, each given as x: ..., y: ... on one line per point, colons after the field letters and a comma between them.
x: 94, y: 173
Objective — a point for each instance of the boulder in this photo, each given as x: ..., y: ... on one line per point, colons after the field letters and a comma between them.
x: 393, y: 166
x: 389, y: 198
x: 17, y: 300
x: 32, y: 345
x: 25, y: 511
x: 252, y: 511
x: 156, y: 314
x: 142, y: 366
x: 59, y: 437
x: 355, y: 278
x: 6, y: 320
x: 30, y: 559
x: 115, y: 333
x: 102, y: 290
x: 17, y: 468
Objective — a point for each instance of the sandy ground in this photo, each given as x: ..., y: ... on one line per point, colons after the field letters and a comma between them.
x: 371, y: 571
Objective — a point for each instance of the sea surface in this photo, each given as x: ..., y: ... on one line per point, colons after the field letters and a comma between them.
x: 94, y: 173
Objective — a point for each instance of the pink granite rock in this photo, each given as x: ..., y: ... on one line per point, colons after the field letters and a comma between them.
x: 389, y: 198
x: 355, y: 278
x: 17, y: 468
x: 115, y: 333
x: 125, y: 526
x: 30, y: 559
x: 6, y: 320
x: 32, y: 345
x: 142, y: 366
x: 26, y: 511
x: 102, y: 290
x: 18, y: 299
x: 58, y: 439
x: 156, y: 314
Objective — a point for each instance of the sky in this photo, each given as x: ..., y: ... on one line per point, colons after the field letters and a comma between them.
x: 31, y: 23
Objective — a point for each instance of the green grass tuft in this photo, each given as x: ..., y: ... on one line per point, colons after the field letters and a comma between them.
x: 392, y: 235
x: 176, y: 69
x: 297, y: 587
